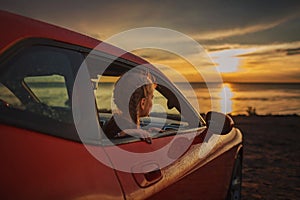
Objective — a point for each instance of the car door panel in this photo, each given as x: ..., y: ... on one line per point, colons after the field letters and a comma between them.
x: 39, y: 166
x: 204, y: 171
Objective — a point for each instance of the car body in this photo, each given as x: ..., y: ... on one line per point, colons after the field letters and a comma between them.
x: 44, y: 157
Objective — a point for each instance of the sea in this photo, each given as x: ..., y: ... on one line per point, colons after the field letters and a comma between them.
x: 248, y: 98
x: 237, y: 98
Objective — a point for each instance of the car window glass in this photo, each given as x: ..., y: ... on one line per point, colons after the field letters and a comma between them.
x: 160, y: 105
x: 50, y: 90
x: 37, y: 83
x: 7, y: 97
x: 104, y: 93
x: 104, y: 98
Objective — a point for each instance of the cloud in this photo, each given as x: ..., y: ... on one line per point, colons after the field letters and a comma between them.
x: 205, y: 20
x: 258, y: 63
x: 283, y: 49
x: 273, y: 63
x: 272, y: 28
x: 221, y: 34
x: 290, y: 52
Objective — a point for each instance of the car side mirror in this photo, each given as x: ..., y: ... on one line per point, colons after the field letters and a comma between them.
x: 217, y: 122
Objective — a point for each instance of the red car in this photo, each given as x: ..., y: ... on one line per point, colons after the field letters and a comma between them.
x: 43, y: 156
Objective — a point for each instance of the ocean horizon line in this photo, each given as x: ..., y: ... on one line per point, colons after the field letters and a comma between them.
x: 232, y: 82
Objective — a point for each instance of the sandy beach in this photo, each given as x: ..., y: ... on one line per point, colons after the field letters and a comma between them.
x: 271, y: 165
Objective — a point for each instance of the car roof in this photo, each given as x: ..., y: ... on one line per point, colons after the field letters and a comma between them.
x: 18, y: 28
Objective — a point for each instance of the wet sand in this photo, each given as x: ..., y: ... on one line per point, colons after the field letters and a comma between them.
x: 271, y: 165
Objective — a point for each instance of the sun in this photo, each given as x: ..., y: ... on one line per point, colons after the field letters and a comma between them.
x: 228, y: 61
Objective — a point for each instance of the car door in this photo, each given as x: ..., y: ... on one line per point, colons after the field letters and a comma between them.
x: 144, y: 169
x: 181, y: 162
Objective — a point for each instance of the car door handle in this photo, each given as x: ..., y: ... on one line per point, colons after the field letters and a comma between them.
x: 147, y: 174
x: 153, y: 175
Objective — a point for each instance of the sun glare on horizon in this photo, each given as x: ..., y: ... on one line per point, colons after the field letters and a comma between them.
x: 227, y: 61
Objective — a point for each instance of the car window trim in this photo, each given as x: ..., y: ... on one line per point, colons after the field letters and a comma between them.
x: 130, y: 139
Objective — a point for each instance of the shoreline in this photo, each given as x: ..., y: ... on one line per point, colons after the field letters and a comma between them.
x: 271, y: 166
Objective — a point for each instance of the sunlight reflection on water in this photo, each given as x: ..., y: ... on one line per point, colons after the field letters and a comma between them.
x: 226, y: 95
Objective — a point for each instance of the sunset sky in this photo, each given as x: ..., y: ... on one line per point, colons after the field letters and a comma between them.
x: 249, y: 41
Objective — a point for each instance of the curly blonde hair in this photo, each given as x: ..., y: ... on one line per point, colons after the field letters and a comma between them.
x: 128, y: 83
